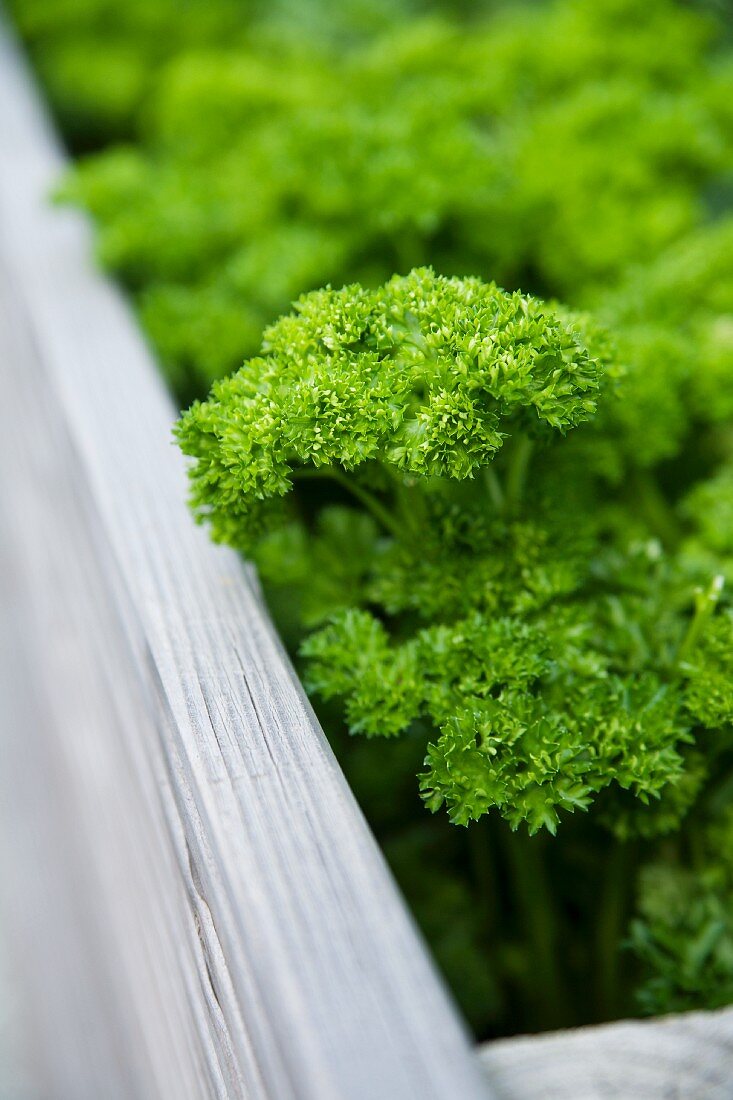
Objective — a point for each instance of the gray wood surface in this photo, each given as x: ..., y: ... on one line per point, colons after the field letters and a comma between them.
x: 687, y: 1057
x: 195, y: 905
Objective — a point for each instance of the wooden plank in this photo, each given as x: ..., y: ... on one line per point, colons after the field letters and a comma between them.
x: 91, y: 888
x: 685, y: 1057
x: 216, y: 910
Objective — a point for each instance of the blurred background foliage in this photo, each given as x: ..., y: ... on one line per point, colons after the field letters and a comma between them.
x: 246, y: 152
x: 236, y: 153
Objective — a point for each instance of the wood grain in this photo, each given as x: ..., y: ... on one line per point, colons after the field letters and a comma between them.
x: 198, y: 907
x: 686, y: 1057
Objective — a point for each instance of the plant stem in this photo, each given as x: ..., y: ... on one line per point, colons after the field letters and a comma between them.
x: 493, y: 486
x: 482, y: 857
x: 538, y: 915
x: 516, y: 476
x: 706, y: 600
x: 612, y: 911
x: 381, y: 514
x: 410, y: 502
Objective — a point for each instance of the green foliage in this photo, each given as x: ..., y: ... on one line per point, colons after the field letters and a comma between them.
x: 709, y: 694
x: 425, y: 377
x: 529, y: 724
x: 673, y: 323
x: 684, y: 932
x: 98, y: 58
x: 543, y: 689
x: 553, y: 650
x: 282, y: 147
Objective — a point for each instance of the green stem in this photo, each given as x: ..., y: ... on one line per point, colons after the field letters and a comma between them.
x: 516, y: 477
x: 410, y: 502
x: 539, y: 918
x: 494, y: 489
x: 706, y: 600
x: 609, y: 929
x: 382, y: 515
x: 482, y: 857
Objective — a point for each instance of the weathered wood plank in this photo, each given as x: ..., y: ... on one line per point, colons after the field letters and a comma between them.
x: 102, y: 938
x: 686, y: 1057
x: 208, y: 915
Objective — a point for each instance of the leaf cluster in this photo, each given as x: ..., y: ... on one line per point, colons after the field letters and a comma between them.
x: 425, y: 377
x: 531, y: 659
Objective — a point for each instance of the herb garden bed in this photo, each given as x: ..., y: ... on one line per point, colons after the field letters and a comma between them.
x: 209, y: 915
